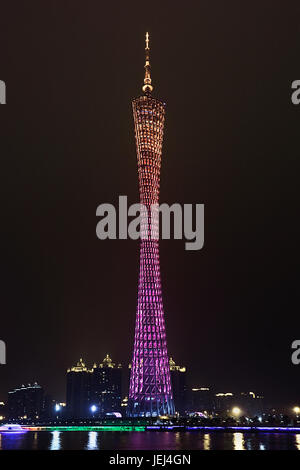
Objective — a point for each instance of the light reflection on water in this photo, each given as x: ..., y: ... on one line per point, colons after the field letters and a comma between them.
x: 111, y: 440
x: 35, y: 441
x: 92, y: 443
x: 238, y: 441
x: 55, y: 442
x: 206, y: 441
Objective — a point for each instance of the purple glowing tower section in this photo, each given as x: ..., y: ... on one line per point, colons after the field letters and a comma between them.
x: 150, y: 391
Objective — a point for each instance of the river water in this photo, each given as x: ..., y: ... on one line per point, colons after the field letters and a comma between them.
x: 112, y: 440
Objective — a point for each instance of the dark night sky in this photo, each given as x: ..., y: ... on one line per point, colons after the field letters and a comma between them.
x: 225, y: 69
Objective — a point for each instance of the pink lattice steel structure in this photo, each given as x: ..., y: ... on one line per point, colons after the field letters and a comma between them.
x: 150, y: 391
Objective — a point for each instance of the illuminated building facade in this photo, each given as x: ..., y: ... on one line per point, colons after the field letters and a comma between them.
x: 150, y: 389
x: 79, y: 391
x: 250, y: 403
x: 94, y: 392
x: 107, y: 387
x: 201, y: 400
x: 2, y: 411
x: 179, y: 387
x: 225, y: 401
x: 26, y: 402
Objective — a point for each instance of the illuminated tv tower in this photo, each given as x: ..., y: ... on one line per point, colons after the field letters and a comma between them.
x: 150, y: 390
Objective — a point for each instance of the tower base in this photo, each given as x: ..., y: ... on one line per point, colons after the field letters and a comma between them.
x: 150, y: 407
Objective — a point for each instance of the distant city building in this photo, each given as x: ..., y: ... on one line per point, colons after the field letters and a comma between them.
x: 178, y: 380
x: 94, y: 392
x: 249, y: 403
x: 54, y: 409
x: 124, y: 405
x: 2, y: 410
x: 78, y: 390
x: 59, y: 410
x: 26, y: 402
x: 106, y: 387
x: 252, y: 404
x: 225, y: 401
x: 49, y: 406
x: 201, y: 399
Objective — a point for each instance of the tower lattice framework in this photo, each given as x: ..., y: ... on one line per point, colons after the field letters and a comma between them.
x: 150, y: 391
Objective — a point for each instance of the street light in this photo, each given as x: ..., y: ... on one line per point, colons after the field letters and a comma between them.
x: 57, y: 409
x: 296, y: 410
x: 93, y: 409
x: 236, y: 411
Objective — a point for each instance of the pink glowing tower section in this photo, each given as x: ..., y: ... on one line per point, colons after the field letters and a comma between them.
x: 150, y: 391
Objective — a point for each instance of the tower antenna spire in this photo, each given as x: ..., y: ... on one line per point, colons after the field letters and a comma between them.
x: 147, y: 88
